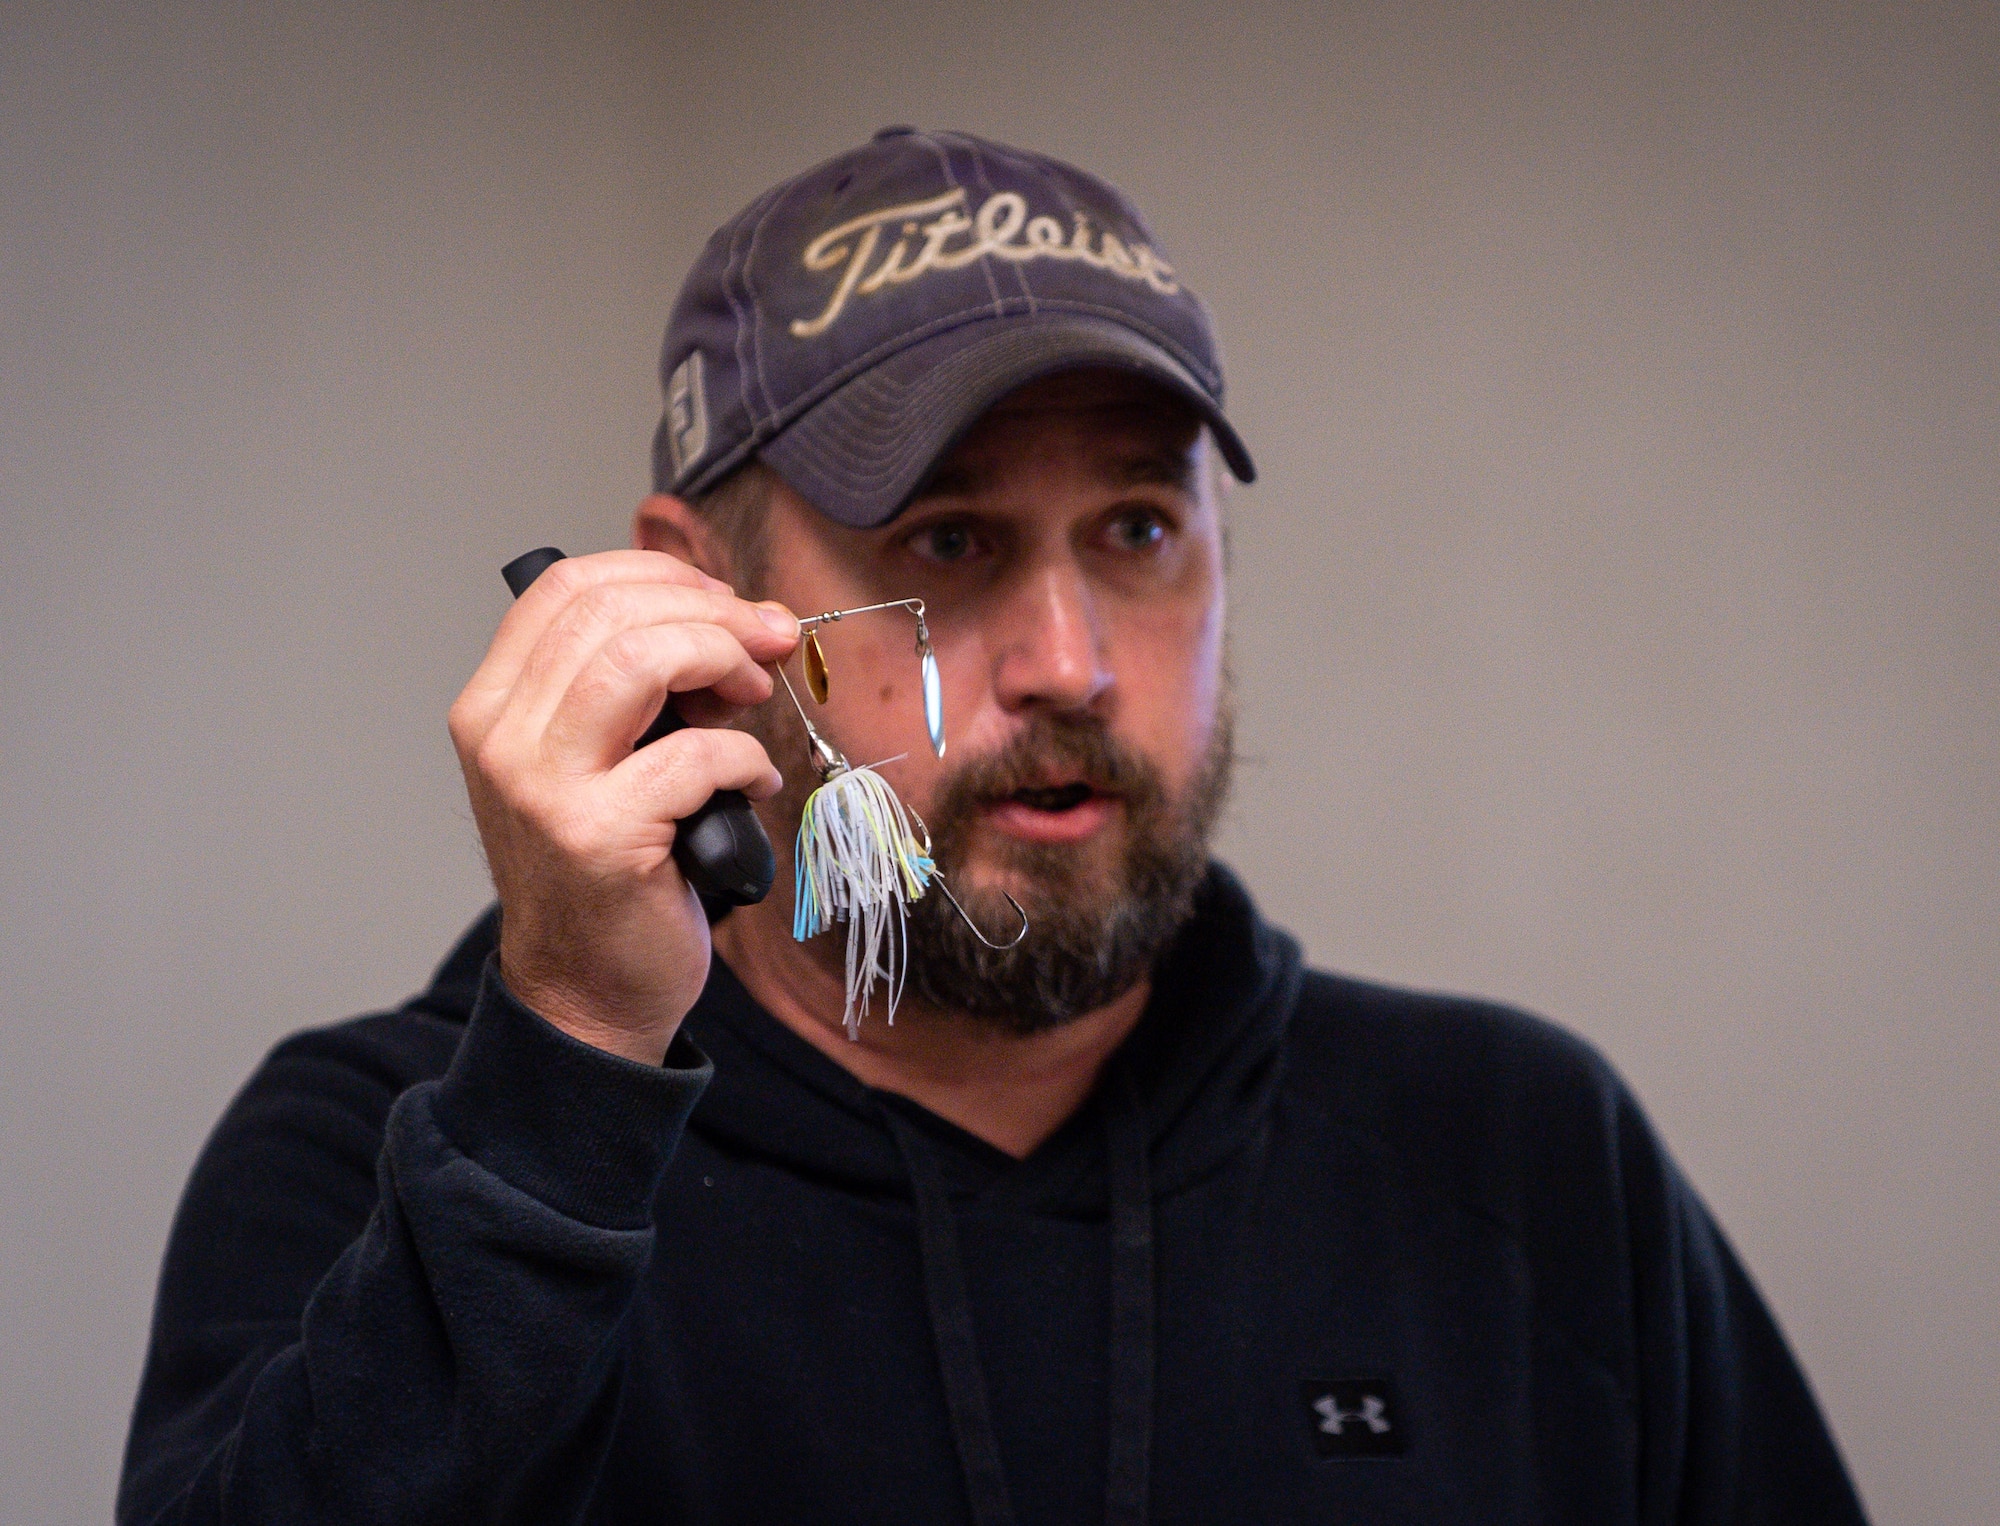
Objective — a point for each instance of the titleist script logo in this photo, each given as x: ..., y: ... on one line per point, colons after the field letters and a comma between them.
x: 926, y: 235
x: 1354, y: 1417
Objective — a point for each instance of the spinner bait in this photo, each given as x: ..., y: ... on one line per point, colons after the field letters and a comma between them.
x: 862, y: 855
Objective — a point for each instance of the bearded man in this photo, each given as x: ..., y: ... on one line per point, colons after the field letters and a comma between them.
x: 1138, y: 1220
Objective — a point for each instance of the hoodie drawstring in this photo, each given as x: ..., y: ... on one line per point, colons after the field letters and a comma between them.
x: 951, y: 1331
x: 1128, y: 1466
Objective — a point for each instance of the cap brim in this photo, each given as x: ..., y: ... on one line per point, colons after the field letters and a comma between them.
x: 858, y: 454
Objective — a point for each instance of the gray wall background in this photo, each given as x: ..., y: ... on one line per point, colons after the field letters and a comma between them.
x: 1615, y: 621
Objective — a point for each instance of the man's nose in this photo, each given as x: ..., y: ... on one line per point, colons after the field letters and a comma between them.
x: 1052, y: 653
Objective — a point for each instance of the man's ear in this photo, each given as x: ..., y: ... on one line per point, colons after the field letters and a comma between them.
x: 664, y: 523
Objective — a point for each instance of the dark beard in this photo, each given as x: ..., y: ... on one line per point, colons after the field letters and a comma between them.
x: 1086, y: 944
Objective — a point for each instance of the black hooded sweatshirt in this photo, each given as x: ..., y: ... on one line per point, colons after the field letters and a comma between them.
x: 1315, y: 1250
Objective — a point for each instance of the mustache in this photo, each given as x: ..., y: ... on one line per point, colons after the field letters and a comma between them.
x: 1055, y: 747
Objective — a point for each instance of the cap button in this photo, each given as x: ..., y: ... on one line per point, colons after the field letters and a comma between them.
x: 900, y: 130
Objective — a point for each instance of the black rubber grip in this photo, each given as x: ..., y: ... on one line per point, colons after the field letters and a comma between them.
x: 722, y: 849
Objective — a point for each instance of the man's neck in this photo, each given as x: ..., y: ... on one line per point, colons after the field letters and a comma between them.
x: 1013, y: 1091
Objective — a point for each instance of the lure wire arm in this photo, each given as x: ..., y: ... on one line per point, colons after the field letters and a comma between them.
x: 829, y: 616
x: 810, y: 623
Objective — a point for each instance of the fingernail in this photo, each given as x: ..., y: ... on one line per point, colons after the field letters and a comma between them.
x: 781, y: 620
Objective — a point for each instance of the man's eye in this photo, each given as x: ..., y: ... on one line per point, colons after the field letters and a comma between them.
x: 1137, y: 532
x: 944, y: 542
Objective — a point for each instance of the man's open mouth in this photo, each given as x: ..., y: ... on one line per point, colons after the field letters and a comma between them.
x: 1061, y: 797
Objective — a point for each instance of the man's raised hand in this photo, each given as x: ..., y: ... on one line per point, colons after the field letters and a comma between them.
x: 599, y: 932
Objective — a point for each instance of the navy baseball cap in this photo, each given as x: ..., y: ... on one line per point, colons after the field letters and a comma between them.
x: 850, y: 324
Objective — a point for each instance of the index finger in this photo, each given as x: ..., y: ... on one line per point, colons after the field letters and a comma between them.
x: 564, y: 582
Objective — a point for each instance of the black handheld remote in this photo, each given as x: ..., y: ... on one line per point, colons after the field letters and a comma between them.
x: 722, y: 849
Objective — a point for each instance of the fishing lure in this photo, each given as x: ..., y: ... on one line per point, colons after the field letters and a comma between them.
x: 862, y: 855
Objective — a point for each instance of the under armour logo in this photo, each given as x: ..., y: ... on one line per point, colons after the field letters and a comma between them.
x: 1353, y: 1417
x: 1371, y: 1414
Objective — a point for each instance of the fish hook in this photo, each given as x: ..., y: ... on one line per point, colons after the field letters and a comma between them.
x: 938, y: 875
